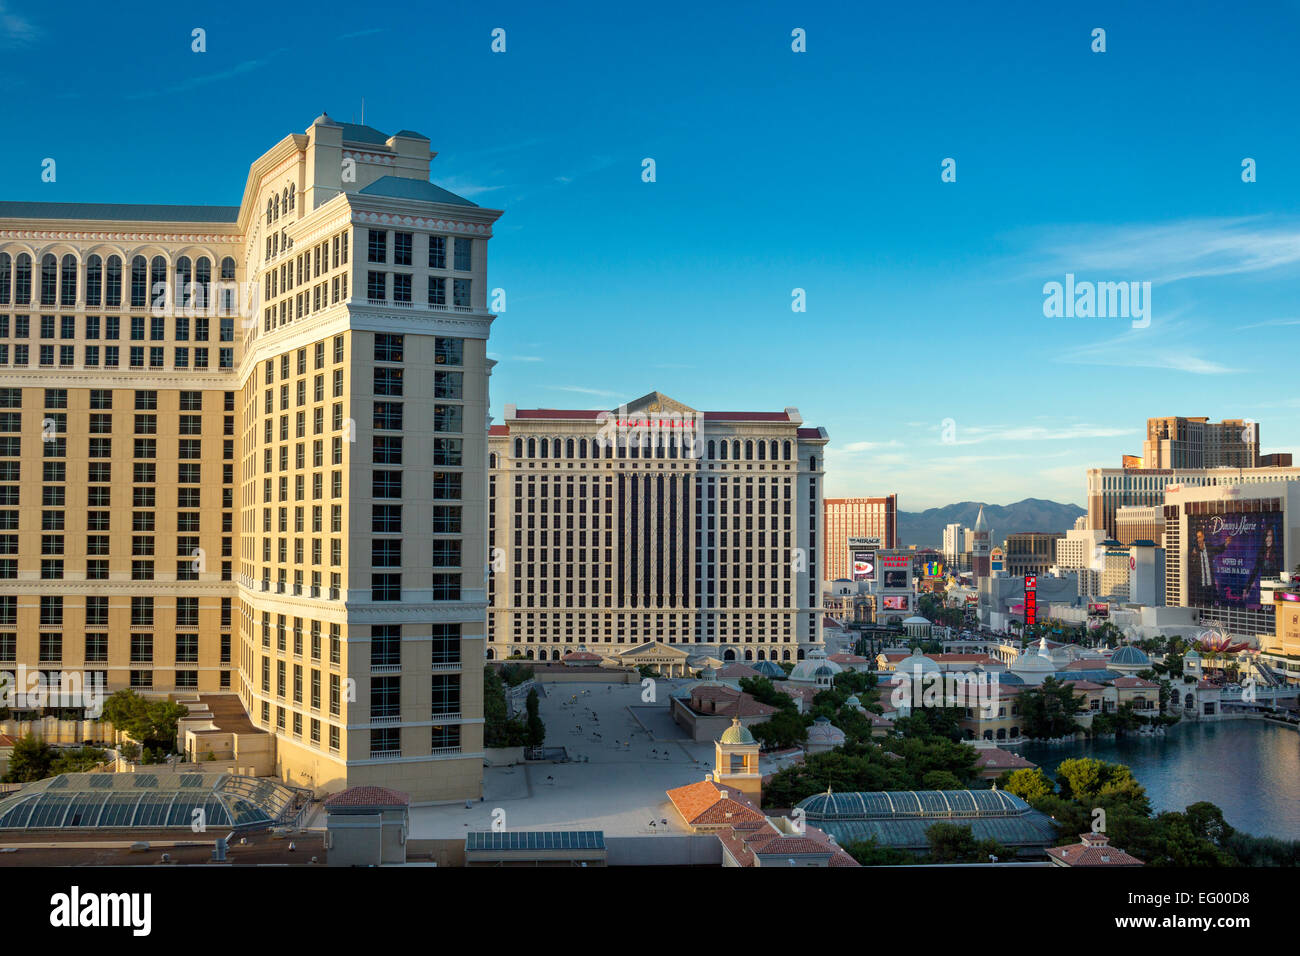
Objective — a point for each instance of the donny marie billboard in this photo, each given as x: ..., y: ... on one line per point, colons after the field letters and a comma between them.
x: 1229, y: 554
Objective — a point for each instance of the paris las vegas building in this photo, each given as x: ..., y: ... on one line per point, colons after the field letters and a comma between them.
x: 620, y: 532
x: 243, y: 453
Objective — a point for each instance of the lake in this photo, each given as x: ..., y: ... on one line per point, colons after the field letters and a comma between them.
x: 1248, y: 768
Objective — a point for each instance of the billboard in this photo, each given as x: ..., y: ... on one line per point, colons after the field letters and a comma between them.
x: 894, y: 602
x: 1229, y: 553
x: 1031, y: 599
x: 996, y: 557
x: 864, y: 565
x: 871, y: 543
x: 895, y: 579
x: 1099, y: 610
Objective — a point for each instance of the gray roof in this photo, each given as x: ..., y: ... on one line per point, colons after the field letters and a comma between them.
x: 399, y: 187
x: 355, y: 133
x: 134, y: 212
x: 1097, y: 676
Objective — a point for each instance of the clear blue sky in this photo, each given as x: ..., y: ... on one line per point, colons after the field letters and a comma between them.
x: 775, y: 170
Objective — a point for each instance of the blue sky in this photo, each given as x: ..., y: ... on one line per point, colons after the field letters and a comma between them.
x: 775, y: 170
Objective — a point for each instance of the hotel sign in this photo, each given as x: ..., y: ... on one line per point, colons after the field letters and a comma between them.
x: 1031, y: 599
x: 864, y: 542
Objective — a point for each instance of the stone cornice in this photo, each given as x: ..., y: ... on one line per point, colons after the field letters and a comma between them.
x: 117, y: 235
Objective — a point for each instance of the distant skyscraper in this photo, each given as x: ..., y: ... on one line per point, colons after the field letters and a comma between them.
x: 1177, y: 442
x: 849, y: 518
x: 952, y: 542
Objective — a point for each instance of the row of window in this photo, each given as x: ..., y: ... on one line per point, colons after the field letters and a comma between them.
x: 183, y: 357
x: 110, y: 328
x: 191, y: 280
x: 403, y: 247
x: 142, y: 610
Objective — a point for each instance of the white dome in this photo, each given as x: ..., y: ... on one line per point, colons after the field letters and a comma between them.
x: 806, y: 669
x: 1035, y: 660
x: 913, y: 666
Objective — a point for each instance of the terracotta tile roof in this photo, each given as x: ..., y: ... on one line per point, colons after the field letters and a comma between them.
x: 499, y: 430
x: 7, y: 741
x: 369, y: 796
x: 736, y: 670
x: 581, y: 656
x: 1085, y: 685
x: 847, y: 659
x: 994, y: 758
x: 728, y: 702
x: 702, y: 805
x: 1095, y: 850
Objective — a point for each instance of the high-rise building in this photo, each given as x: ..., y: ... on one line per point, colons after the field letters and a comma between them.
x: 1225, y: 547
x: 243, y: 452
x: 854, y: 524
x: 1031, y: 552
x: 1177, y: 442
x: 655, y: 523
x: 952, y: 543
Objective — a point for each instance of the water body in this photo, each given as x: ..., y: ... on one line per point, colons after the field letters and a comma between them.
x: 1248, y: 768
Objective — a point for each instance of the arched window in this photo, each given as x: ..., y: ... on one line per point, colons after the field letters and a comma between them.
x: 786, y: 453
x: 492, y: 460
x: 139, y: 282
x: 277, y: 207
x: 582, y: 448
x: 291, y: 196
x: 544, y: 448
x: 23, y: 279
x: 568, y: 448
x: 735, y: 450
x: 812, y: 463
x: 532, y: 448
x: 184, y: 279
x: 519, y: 448
x: 158, y: 281
x: 6, y: 277
x: 68, y: 281
x: 773, y: 447
x: 228, y: 268
x: 555, y: 448
x: 202, y: 284
x: 762, y: 451
x: 49, y: 279
x: 94, y: 280
x: 269, y: 208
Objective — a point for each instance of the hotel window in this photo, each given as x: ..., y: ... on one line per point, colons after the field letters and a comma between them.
x: 463, y: 254
x: 378, y: 246
x: 447, y: 418
x: 401, y: 287
x: 49, y: 279
x: 446, y: 643
x: 377, y: 285
x: 447, y: 451
x: 437, y: 291
x: 402, y: 245
x: 446, y: 519
x: 460, y: 293
x: 446, y: 485
x: 448, y: 351
x: 385, y: 587
x: 446, y: 587
x: 437, y: 252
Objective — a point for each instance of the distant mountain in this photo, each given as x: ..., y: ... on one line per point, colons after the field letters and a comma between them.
x: 925, y: 528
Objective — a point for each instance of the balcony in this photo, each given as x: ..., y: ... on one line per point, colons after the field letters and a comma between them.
x: 383, y: 720
x: 444, y: 751
x: 446, y: 667
x: 445, y: 718
x: 384, y: 754
x: 385, y: 668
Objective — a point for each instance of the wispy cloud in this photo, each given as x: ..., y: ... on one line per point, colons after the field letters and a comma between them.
x: 514, y: 358
x: 362, y: 33
x: 1165, y: 348
x: 582, y: 390
x: 207, y: 79
x: 1169, y: 252
x: 16, y: 29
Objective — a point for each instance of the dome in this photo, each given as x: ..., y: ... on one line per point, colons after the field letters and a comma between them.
x: 806, y: 669
x: 853, y: 701
x: 914, y: 665
x: 823, y: 671
x: 770, y: 669
x: 825, y: 734
x: 916, y: 619
x: 1131, y: 656
x: 737, y: 733
x: 1191, y: 656
x: 1035, y: 659
x: 324, y: 120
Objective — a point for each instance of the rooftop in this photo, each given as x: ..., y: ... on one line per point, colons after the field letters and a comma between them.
x: 127, y: 212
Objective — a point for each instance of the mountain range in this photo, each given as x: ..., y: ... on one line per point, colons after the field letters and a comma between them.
x: 925, y: 528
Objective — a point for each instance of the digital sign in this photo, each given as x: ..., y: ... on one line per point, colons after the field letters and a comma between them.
x: 1031, y: 599
x: 864, y: 565
x: 1099, y: 610
x: 1229, y: 554
x: 894, y: 602
x: 895, y: 579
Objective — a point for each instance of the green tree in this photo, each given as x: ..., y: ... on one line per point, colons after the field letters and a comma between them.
x: 1028, y: 784
x: 951, y: 843
x: 536, y: 728
x: 1099, y: 783
x: 499, y: 729
x: 871, y: 853
x: 783, y: 729
x: 765, y: 692
x: 77, y: 760
x: 32, y: 759
x: 152, y: 721
x: 1049, y: 710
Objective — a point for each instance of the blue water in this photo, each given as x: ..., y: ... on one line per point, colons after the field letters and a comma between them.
x: 1248, y: 768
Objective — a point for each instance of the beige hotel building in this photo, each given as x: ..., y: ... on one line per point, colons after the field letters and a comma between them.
x: 243, y: 452
x: 655, y: 523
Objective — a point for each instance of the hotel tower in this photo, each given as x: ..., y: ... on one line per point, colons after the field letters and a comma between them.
x: 243, y: 458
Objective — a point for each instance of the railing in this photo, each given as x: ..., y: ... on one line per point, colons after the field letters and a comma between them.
x: 449, y: 716
x: 384, y: 719
x: 444, y: 751
x: 385, y: 668
x: 385, y: 754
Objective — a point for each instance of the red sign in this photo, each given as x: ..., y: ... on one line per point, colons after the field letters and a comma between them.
x: 1031, y: 599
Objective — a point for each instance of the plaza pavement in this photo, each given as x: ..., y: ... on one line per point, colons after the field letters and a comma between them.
x: 618, y: 789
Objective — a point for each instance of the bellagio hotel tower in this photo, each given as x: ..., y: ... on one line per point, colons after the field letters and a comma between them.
x: 243, y: 456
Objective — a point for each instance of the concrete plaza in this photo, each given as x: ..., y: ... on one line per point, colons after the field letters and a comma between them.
x: 624, y: 754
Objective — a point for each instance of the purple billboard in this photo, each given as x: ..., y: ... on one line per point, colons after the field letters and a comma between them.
x: 1228, y: 554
